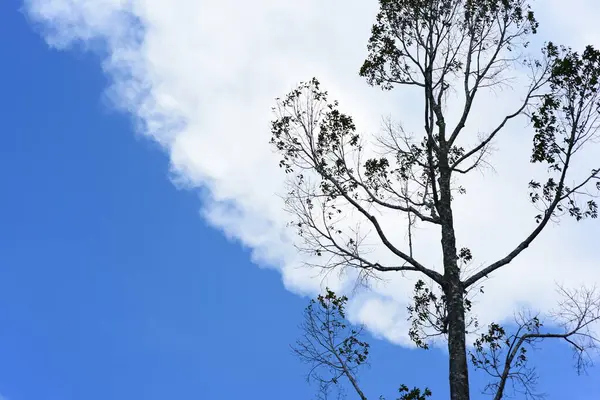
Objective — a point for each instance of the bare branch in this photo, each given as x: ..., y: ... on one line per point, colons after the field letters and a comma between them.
x: 537, y: 83
x: 504, y: 356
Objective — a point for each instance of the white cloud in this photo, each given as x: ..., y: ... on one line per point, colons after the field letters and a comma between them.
x: 201, y: 76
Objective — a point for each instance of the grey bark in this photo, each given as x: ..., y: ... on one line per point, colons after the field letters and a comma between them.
x: 454, y: 291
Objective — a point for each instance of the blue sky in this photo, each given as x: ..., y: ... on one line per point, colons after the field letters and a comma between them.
x: 112, y: 286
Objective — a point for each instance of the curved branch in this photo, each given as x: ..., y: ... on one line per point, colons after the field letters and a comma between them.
x: 435, y: 276
x: 481, y: 146
x: 581, y: 308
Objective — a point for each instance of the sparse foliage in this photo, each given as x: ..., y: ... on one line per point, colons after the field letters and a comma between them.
x: 335, y: 350
x: 330, y: 344
x: 442, y: 48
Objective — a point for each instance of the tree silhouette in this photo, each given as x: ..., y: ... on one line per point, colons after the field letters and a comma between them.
x: 441, y: 47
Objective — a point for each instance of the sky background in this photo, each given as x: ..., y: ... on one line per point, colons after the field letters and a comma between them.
x: 120, y: 275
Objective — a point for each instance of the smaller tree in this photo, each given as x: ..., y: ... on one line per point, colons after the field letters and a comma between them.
x: 504, y: 355
x: 334, y: 349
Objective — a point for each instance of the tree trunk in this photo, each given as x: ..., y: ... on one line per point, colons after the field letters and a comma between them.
x: 453, y: 289
x: 457, y: 351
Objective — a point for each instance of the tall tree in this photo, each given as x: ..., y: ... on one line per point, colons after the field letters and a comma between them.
x: 443, y: 48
